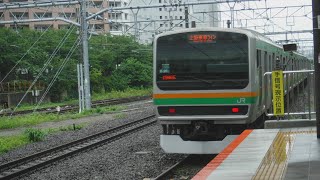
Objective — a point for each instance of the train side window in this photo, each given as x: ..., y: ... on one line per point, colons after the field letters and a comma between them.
x: 265, y: 60
x: 273, y: 61
x: 293, y: 64
x: 270, y: 64
x: 258, y: 58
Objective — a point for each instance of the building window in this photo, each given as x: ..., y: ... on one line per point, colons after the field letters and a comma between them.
x: 160, y: 9
x: 180, y: 17
x: 180, y: 25
x: 161, y: 25
x: 63, y: 26
x: 159, y: 1
x: 41, y: 27
x: 160, y: 17
x: 19, y: 15
x: 42, y: 15
x: 180, y: 9
x: 166, y: 17
x: 19, y: 27
x: 67, y: 15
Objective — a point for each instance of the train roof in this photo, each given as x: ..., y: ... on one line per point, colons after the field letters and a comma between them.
x: 250, y: 33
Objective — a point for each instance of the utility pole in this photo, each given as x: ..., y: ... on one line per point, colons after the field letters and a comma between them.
x: 186, y: 18
x: 136, y: 28
x: 84, y: 33
x: 316, y: 43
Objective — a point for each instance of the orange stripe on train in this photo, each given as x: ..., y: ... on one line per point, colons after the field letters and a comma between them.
x: 206, y: 95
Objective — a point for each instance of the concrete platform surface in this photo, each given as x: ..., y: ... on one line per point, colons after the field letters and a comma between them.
x: 290, y: 154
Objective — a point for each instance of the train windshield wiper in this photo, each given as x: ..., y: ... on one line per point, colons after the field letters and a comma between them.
x: 237, y: 81
x: 202, y: 80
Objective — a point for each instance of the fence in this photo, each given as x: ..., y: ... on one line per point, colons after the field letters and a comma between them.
x: 297, y: 87
x: 19, y: 86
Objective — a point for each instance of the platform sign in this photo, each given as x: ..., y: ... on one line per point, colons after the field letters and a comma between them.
x: 278, y: 93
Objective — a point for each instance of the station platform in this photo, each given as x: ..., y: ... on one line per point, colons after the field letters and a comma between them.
x: 289, y: 153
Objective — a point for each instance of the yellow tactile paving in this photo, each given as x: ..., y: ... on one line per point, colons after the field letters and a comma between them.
x: 274, y: 163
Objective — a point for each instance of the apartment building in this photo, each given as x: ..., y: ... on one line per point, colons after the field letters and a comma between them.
x: 170, y: 17
x: 102, y: 24
x: 144, y: 24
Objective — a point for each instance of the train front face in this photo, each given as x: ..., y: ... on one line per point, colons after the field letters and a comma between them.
x: 201, y: 84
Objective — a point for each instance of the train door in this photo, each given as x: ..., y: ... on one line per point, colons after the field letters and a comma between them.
x: 264, y: 79
x: 259, y: 73
x: 268, y: 83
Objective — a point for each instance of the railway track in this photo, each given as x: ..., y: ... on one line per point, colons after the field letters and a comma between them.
x: 33, y: 162
x: 68, y: 108
x: 186, y: 168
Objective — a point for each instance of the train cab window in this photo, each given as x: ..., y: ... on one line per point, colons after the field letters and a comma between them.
x: 203, y: 60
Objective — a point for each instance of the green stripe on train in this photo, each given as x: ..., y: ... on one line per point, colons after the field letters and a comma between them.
x: 177, y: 101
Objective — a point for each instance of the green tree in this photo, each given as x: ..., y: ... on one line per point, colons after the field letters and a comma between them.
x: 136, y: 73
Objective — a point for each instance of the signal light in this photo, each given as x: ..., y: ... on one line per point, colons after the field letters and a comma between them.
x: 172, y: 110
x: 235, y: 110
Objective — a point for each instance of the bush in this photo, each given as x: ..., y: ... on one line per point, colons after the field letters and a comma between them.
x: 35, y: 135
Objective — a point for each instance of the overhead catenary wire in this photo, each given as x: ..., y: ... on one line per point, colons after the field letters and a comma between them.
x: 70, y: 53
x: 44, y: 67
x: 24, y: 54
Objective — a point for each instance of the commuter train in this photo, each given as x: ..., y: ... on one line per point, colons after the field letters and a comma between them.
x: 209, y: 85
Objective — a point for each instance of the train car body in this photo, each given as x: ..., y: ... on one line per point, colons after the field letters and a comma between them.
x: 209, y: 83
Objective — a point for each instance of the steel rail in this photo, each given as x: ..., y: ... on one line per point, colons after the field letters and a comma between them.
x: 35, y: 161
x: 68, y: 108
x: 187, y: 167
x: 169, y: 170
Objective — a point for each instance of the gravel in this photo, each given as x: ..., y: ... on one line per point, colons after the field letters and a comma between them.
x: 136, y: 156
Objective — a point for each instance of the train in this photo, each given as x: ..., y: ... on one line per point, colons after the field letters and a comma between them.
x: 209, y: 85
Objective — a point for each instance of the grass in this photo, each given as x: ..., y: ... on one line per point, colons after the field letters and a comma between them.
x: 8, y: 143
x: 122, y: 94
x: 97, y: 96
x: 37, y: 118
x: 35, y: 135
x: 31, y: 135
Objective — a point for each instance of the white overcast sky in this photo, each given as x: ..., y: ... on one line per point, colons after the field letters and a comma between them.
x: 276, y: 24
